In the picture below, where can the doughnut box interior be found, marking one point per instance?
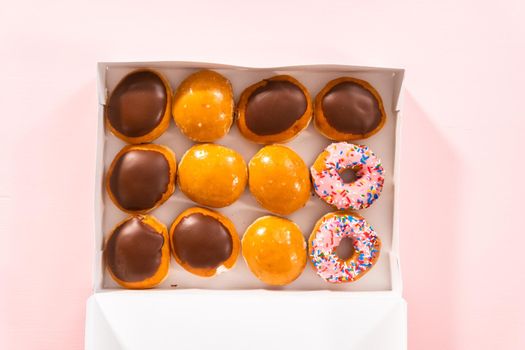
(235, 309)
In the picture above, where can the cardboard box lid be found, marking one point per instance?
(257, 319)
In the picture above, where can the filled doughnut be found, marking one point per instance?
(137, 252)
(274, 110)
(279, 179)
(343, 247)
(203, 106)
(212, 175)
(274, 249)
(141, 177)
(348, 109)
(347, 176)
(139, 108)
(204, 242)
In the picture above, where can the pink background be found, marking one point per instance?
(464, 126)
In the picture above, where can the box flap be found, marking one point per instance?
(244, 319)
(99, 332)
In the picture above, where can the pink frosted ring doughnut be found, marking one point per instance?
(343, 247)
(357, 194)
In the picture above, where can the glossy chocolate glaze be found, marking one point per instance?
(137, 104)
(139, 179)
(345, 249)
(201, 241)
(133, 252)
(274, 107)
(350, 108)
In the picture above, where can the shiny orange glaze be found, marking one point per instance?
(212, 175)
(274, 249)
(279, 179)
(203, 106)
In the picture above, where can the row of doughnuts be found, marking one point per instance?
(342, 248)
(142, 177)
(273, 110)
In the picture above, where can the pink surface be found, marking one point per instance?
(462, 234)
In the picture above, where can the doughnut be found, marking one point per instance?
(138, 109)
(137, 252)
(279, 179)
(204, 242)
(347, 176)
(203, 106)
(348, 109)
(141, 177)
(343, 247)
(274, 110)
(212, 175)
(275, 250)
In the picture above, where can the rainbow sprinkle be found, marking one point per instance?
(330, 232)
(357, 195)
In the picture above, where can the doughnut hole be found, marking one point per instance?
(351, 174)
(345, 250)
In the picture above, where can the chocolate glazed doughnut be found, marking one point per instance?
(141, 177)
(348, 109)
(274, 110)
(204, 242)
(274, 107)
(137, 252)
(139, 108)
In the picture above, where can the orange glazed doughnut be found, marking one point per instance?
(212, 175)
(279, 179)
(275, 250)
(203, 106)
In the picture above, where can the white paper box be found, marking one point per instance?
(235, 310)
